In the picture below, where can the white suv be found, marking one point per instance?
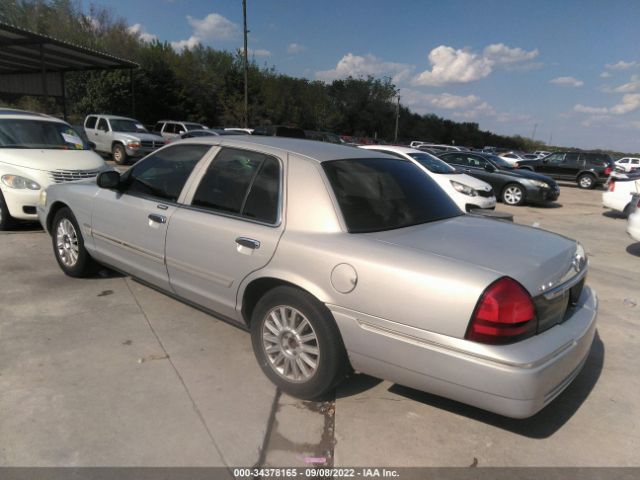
(35, 151)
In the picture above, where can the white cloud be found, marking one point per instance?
(630, 103)
(596, 120)
(191, 42)
(591, 110)
(605, 75)
(295, 48)
(621, 65)
(449, 65)
(361, 66)
(567, 82)
(139, 30)
(261, 52)
(212, 27)
(500, 54)
(423, 102)
(632, 86)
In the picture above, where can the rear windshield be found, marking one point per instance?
(39, 134)
(431, 163)
(382, 194)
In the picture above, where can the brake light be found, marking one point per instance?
(504, 314)
(607, 171)
(612, 185)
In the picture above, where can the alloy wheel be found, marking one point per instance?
(67, 243)
(290, 344)
(513, 195)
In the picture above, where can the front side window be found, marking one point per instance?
(477, 162)
(39, 134)
(192, 126)
(158, 127)
(555, 159)
(241, 183)
(377, 194)
(102, 125)
(163, 174)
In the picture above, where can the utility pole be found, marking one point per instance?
(395, 137)
(246, 67)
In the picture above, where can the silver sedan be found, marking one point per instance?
(339, 259)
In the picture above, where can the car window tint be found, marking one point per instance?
(477, 162)
(91, 122)
(262, 201)
(376, 194)
(163, 174)
(102, 125)
(555, 158)
(571, 158)
(225, 185)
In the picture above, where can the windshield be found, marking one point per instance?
(39, 134)
(378, 194)
(499, 162)
(128, 126)
(431, 163)
(194, 126)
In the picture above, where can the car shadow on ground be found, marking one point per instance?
(542, 425)
(634, 249)
(614, 214)
(546, 205)
(24, 227)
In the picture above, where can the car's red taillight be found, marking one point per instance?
(612, 185)
(504, 314)
(607, 171)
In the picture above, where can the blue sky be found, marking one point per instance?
(570, 70)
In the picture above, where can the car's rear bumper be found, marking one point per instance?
(514, 380)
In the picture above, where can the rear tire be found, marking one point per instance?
(6, 220)
(297, 343)
(68, 245)
(587, 181)
(119, 154)
(513, 194)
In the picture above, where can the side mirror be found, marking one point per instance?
(92, 145)
(489, 168)
(108, 179)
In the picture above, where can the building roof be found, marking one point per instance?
(23, 51)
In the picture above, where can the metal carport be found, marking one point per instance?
(34, 64)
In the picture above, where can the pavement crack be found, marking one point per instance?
(270, 424)
(177, 372)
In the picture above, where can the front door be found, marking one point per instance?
(230, 229)
(129, 224)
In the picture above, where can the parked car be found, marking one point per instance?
(122, 137)
(541, 153)
(323, 136)
(467, 192)
(173, 129)
(586, 169)
(35, 151)
(628, 164)
(239, 129)
(512, 158)
(620, 191)
(633, 222)
(210, 132)
(337, 258)
(279, 131)
(513, 186)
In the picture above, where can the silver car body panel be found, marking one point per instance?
(402, 299)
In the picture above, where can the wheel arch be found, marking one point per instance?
(55, 208)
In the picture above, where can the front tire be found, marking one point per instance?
(6, 220)
(68, 245)
(297, 343)
(513, 194)
(119, 154)
(586, 181)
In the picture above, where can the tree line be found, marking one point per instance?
(207, 86)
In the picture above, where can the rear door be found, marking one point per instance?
(129, 225)
(230, 228)
(100, 135)
(568, 169)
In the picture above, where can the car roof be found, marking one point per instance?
(16, 113)
(178, 121)
(111, 117)
(318, 151)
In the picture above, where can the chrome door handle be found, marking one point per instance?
(162, 207)
(248, 242)
(157, 218)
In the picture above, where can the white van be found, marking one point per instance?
(35, 151)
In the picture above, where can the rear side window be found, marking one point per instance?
(163, 174)
(241, 183)
(91, 122)
(382, 194)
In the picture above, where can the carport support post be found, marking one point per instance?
(64, 96)
(133, 93)
(44, 73)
